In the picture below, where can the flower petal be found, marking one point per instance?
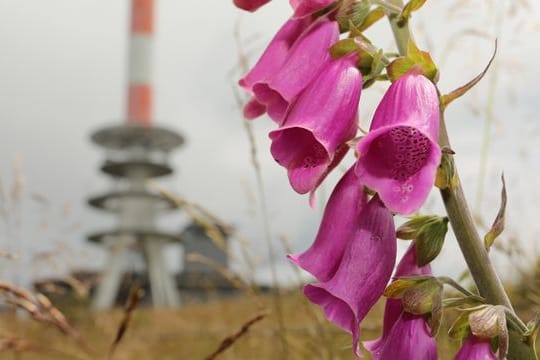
(304, 62)
(363, 273)
(409, 339)
(250, 5)
(322, 119)
(412, 100)
(475, 348)
(400, 155)
(253, 109)
(393, 307)
(340, 217)
(275, 53)
(306, 7)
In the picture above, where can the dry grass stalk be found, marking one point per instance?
(230, 340)
(8, 255)
(215, 228)
(17, 345)
(40, 308)
(135, 296)
(232, 278)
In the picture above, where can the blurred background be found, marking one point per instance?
(66, 70)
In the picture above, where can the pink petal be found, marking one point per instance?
(275, 53)
(253, 109)
(339, 220)
(400, 155)
(363, 273)
(393, 308)
(322, 119)
(409, 339)
(475, 348)
(250, 5)
(306, 7)
(304, 62)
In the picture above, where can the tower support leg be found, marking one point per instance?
(162, 284)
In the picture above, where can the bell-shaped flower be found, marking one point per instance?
(475, 348)
(409, 339)
(404, 334)
(250, 5)
(364, 271)
(339, 220)
(304, 62)
(271, 61)
(307, 7)
(322, 119)
(399, 157)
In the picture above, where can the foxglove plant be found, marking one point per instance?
(308, 81)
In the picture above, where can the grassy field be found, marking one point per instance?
(193, 332)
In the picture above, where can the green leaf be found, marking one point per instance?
(371, 18)
(398, 287)
(435, 320)
(411, 229)
(430, 241)
(423, 58)
(498, 224)
(462, 90)
(406, 13)
(355, 15)
(429, 232)
(460, 328)
(343, 47)
(415, 57)
(399, 67)
(460, 302)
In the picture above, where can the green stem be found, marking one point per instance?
(449, 281)
(476, 256)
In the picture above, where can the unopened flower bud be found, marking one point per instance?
(421, 298)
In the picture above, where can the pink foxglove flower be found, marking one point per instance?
(322, 119)
(307, 7)
(475, 348)
(271, 61)
(339, 220)
(400, 155)
(409, 339)
(405, 336)
(364, 271)
(250, 5)
(304, 62)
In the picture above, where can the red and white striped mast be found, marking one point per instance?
(136, 152)
(140, 91)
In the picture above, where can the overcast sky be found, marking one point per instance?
(63, 74)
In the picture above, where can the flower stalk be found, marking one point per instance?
(472, 247)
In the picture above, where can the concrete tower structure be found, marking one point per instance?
(136, 151)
